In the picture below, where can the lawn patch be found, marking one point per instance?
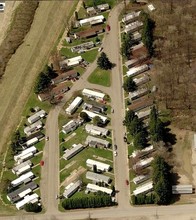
(100, 77)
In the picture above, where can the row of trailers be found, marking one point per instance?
(21, 189)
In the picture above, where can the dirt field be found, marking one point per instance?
(28, 60)
(5, 17)
(185, 161)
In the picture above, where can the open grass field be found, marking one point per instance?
(28, 60)
(100, 77)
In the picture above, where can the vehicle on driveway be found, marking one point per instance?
(127, 182)
(115, 153)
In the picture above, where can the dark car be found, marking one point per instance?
(125, 139)
(115, 147)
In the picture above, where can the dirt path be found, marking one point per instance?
(28, 60)
(6, 16)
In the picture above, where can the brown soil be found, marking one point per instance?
(22, 20)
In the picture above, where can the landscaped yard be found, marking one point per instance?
(88, 56)
(100, 77)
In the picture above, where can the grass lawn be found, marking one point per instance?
(90, 3)
(80, 70)
(81, 158)
(37, 158)
(81, 41)
(82, 13)
(37, 171)
(89, 56)
(100, 77)
(125, 69)
(40, 145)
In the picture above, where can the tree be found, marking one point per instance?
(129, 117)
(84, 116)
(147, 32)
(140, 139)
(76, 15)
(135, 126)
(103, 62)
(84, 6)
(161, 180)
(33, 207)
(129, 85)
(156, 126)
(49, 71)
(41, 83)
(97, 120)
(127, 43)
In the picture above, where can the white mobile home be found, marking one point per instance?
(103, 7)
(95, 130)
(130, 17)
(138, 93)
(74, 61)
(96, 142)
(143, 189)
(143, 114)
(100, 166)
(182, 189)
(69, 153)
(37, 116)
(93, 94)
(94, 188)
(137, 70)
(74, 105)
(92, 115)
(18, 194)
(143, 152)
(132, 27)
(27, 199)
(32, 141)
(71, 125)
(32, 150)
(131, 63)
(143, 163)
(141, 80)
(92, 20)
(72, 188)
(33, 127)
(141, 178)
(97, 177)
(17, 168)
(22, 179)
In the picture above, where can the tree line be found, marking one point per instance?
(93, 201)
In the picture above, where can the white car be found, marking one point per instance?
(100, 49)
(2, 6)
(115, 153)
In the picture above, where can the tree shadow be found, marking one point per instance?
(169, 137)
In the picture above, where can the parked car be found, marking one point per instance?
(115, 147)
(127, 182)
(115, 153)
(125, 139)
(100, 49)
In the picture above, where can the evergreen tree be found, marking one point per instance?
(140, 140)
(42, 83)
(127, 43)
(33, 207)
(129, 85)
(129, 117)
(103, 62)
